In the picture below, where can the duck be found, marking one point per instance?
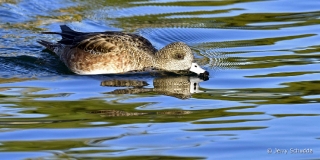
(115, 52)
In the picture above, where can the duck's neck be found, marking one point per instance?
(158, 58)
(147, 62)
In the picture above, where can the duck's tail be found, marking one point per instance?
(67, 34)
(49, 45)
(56, 48)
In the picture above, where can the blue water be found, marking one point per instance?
(260, 102)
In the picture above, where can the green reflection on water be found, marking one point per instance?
(25, 110)
(75, 114)
(292, 93)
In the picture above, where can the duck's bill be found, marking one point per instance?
(199, 71)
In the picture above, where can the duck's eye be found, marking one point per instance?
(195, 66)
(179, 56)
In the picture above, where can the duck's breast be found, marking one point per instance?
(82, 62)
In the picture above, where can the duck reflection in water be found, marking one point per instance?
(181, 87)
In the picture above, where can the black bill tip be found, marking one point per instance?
(204, 75)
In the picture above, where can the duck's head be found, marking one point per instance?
(178, 56)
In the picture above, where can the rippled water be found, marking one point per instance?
(262, 98)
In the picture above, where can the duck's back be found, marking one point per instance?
(94, 41)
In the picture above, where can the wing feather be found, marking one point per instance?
(97, 44)
(103, 42)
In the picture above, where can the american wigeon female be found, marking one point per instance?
(117, 52)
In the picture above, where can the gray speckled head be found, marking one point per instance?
(174, 56)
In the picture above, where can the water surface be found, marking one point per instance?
(261, 101)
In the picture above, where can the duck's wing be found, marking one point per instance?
(92, 42)
(96, 43)
(103, 42)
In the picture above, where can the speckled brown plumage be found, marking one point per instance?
(116, 52)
